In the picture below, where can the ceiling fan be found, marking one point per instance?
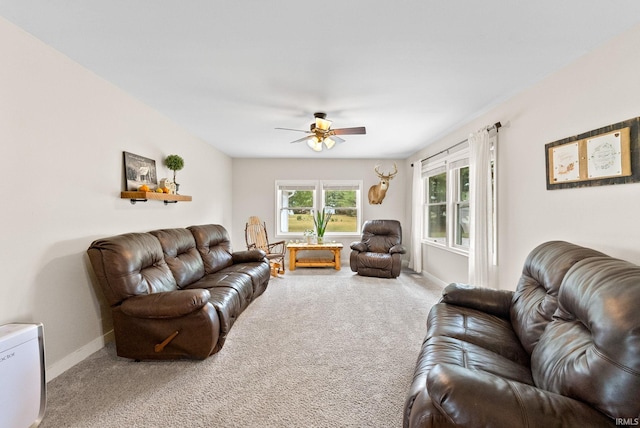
(321, 132)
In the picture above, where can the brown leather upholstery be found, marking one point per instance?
(562, 350)
(176, 280)
(379, 251)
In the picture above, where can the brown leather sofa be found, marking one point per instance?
(563, 350)
(379, 251)
(175, 293)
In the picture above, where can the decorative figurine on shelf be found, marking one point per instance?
(174, 163)
(166, 183)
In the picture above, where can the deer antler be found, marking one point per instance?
(395, 171)
(386, 176)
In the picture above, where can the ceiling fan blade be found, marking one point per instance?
(297, 130)
(337, 139)
(346, 131)
(302, 139)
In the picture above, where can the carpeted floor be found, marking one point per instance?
(319, 348)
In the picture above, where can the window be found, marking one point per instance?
(446, 201)
(295, 203)
(435, 212)
(342, 200)
(297, 200)
(460, 175)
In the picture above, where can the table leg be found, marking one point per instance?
(292, 258)
(336, 258)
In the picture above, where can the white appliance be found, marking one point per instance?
(23, 388)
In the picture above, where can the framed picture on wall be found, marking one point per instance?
(139, 170)
(604, 156)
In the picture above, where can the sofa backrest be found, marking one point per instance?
(129, 265)
(535, 299)
(214, 246)
(591, 349)
(381, 235)
(181, 255)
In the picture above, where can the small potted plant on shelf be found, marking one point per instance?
(320, 221)
(174, 163)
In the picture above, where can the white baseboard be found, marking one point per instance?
(59, 367)
(435, 279)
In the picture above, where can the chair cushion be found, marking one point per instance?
(372, 260)
(380, 235)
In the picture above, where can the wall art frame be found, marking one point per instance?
(604, 156)
(139, 170)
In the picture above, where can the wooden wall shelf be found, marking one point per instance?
(155, 196)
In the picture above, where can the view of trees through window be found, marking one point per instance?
(298, 207)
(437, 207)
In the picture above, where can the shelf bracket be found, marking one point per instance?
(133, 201)
(170, 202)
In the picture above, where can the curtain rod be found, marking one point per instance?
(495, 126)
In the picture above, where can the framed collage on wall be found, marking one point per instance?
(600, 157)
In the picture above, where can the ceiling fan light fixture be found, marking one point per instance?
(329, 143)
(320, 133)
(315, 144)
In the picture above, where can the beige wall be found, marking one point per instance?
(62, 134)
(254, 186)
(599, 89)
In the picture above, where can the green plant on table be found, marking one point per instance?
(320, 221)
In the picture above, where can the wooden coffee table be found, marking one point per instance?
(334, 261)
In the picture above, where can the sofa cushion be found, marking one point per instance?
(237, 281)
(257, 272)
(214, 245)
(471, 398)
(488, 331)
(449, 350)
(535, 298)
(181, 255)
(130, 265)
(228, 305)
(591, 351)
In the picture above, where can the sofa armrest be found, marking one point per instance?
(476, 398)
(397, 249)
(170, 304)
(489, 300)
(358, 246)
(248, 256)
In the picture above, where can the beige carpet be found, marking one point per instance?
(319, 349)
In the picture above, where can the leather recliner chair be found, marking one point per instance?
(379, 251)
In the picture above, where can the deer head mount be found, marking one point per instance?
(379, 191)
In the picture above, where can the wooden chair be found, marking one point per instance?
(255, 234)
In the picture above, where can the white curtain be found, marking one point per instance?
(481, 261)
(415, 259)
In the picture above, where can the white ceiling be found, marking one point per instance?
(408, 70)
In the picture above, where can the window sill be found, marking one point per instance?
(444, 247)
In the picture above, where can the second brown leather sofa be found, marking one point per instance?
(562, 350)
(176, 293)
